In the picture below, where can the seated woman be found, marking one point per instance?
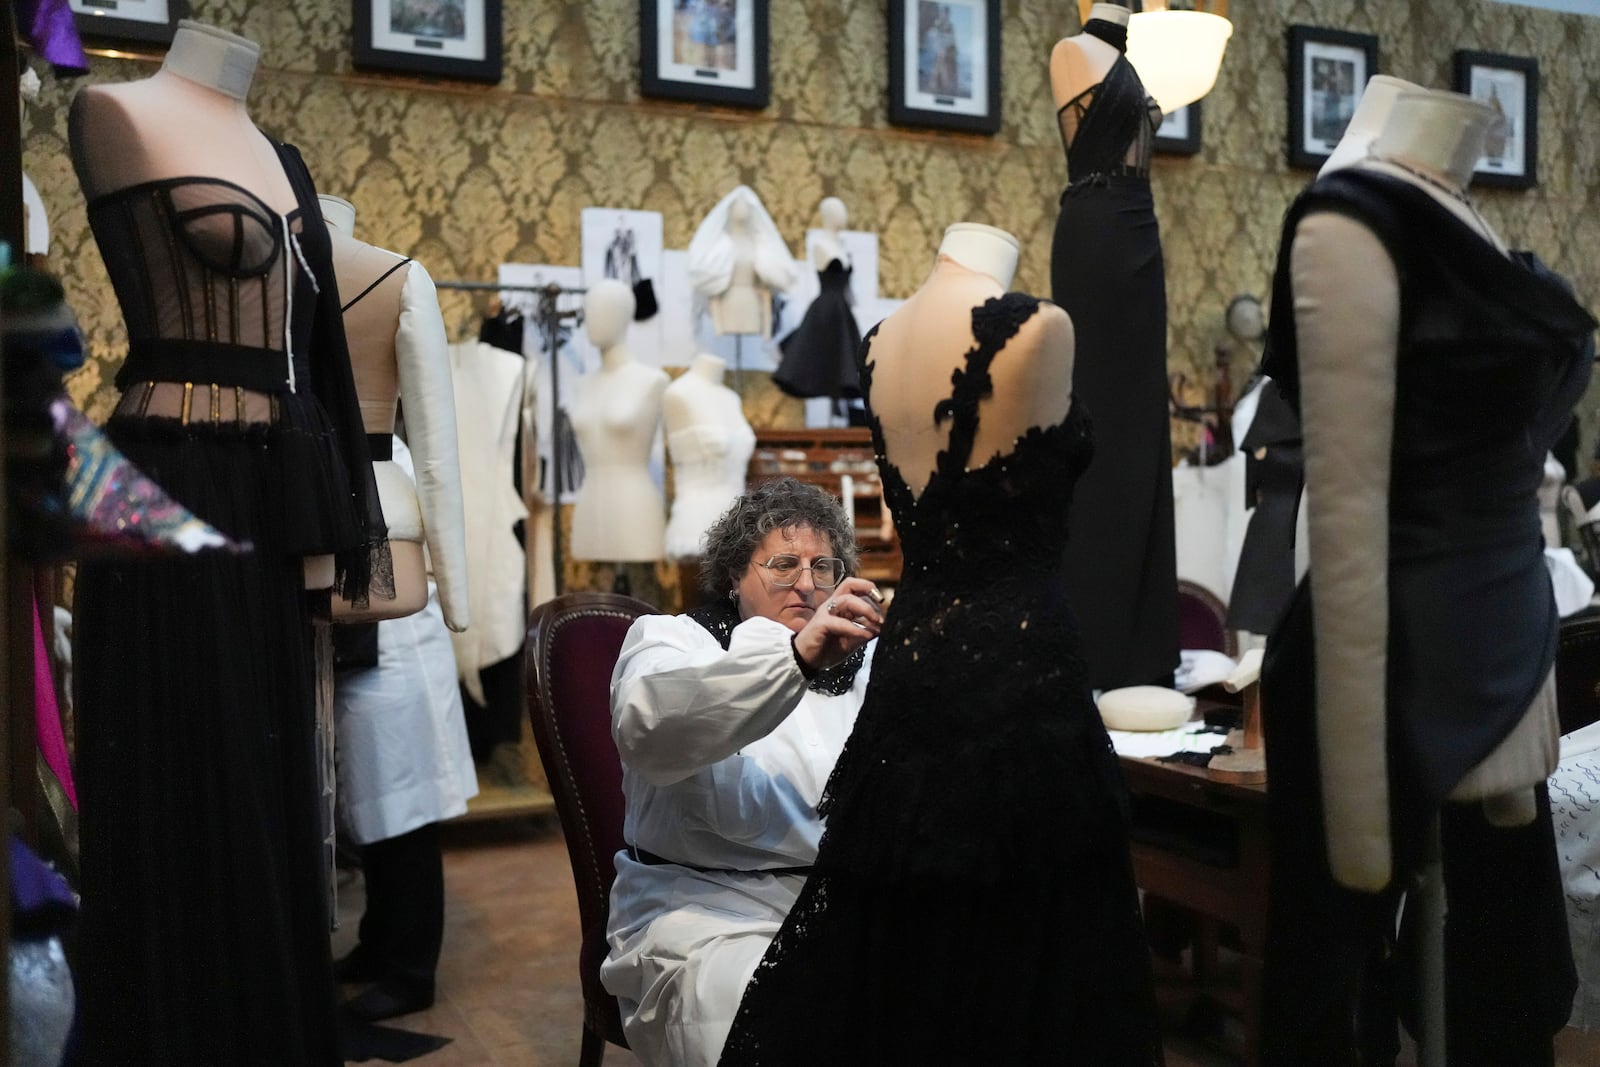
(729, 720)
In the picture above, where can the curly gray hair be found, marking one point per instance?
(777, 505)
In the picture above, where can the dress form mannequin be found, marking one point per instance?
(399, 349)
(619, 516)
(918, 347)
(196, 684)
(826, 246)
(1082, 60)
(736, 258)
(710, 444)
(1424, 637)
(1431, 139)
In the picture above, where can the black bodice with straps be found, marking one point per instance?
(1109, 128)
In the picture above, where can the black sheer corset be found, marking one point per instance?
(1108, 130)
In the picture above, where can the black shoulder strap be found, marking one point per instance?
(994, 323)
(376, 282)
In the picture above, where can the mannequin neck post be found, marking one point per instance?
(213, 58)
(1437, 132)
(984, 249)
(708, 367)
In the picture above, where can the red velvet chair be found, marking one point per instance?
(1203, 619)
(573, 643)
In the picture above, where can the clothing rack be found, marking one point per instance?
(550, 312)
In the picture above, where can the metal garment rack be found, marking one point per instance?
(550, 313)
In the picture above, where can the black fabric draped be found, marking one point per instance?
(1493, 353)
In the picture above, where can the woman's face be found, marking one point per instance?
(794, 606)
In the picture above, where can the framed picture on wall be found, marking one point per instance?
(706, 51)
(112, 21)
(944, 64)
(1328, 72)
(1179, 132)
(1509, 85)
(439, 38)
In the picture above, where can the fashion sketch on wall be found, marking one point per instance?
(626, 246)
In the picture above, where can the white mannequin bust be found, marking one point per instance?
(744, 306)
(619, 516)
(709, 442)
(1111, 13)
(1347, 319)
(827, 246)
(399, 349)
(736, 259)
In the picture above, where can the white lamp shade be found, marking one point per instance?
(1177, 54)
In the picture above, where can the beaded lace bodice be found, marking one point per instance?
(1109, 128)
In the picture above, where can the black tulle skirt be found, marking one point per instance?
(819, 357)
(204, 926)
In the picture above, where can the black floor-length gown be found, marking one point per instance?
(1493, 353)
(973, 899)
(1106, 270)
(204, 936)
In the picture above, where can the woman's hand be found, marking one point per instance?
(848, 619)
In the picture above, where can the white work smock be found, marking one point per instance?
(724, 753)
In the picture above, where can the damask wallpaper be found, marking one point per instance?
(466, 177)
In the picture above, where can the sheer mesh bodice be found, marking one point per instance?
(975, 855)
(1109, 128)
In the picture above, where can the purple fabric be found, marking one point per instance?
(48, 26)
(47, 714)
(41, 903)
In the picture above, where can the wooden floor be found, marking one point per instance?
(507, 983)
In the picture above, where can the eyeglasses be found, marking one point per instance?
(784, 571)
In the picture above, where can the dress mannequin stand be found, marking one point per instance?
(819, 357)
(710, 444)
(1424, 721)
(205, 907)
(970, 394)
(737, 258)
(619, 516)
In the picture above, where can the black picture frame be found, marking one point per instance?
(1179, 132)
(705, 52)
(1328, 71)
(1511, 157)
(957, 89)
(122, 21)
(470, 50)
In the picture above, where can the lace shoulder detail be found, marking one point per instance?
(994, 323)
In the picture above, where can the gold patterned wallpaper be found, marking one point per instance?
(466, 177)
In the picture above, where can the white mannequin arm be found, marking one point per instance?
(422, 351)
(1347, 316)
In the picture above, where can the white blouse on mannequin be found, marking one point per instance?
(710, 444)
(620, 516)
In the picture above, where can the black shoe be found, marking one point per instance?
(388, 999)
(357, 966)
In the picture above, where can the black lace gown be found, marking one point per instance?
(204, 930)
(973, 900)
(1107, 271)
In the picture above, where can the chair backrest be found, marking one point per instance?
(572, 647)
(1203, 619)
(1578, 672)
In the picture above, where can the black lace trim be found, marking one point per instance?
(720, 617)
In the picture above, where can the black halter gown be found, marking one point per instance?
(973, 900)
(1106, 270)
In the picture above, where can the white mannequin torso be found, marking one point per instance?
(918, 347)
(744, 306)
(710, 443)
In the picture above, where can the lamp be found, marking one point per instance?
(1178, 52)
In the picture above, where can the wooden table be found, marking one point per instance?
(1200, 841)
